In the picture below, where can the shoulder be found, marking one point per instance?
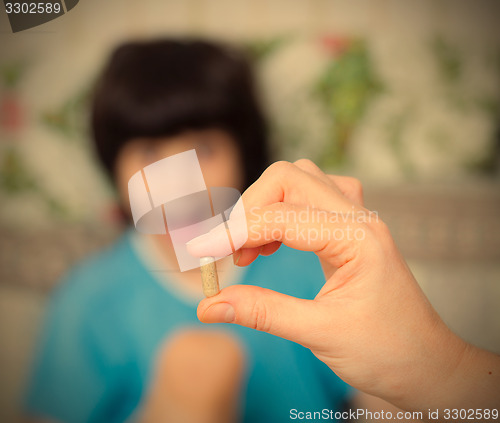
(289, 271)
(100, 279)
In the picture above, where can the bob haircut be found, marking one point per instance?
(162, 88)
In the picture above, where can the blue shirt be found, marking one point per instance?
(106, 322)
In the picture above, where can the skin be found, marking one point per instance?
(220, 163)
(216, 358)
(198, 376)
(172, 396)
(370, 323)
(221, 166)
(216, 150)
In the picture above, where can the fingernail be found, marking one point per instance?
(211, 234)
(214, 243)
(219, 313)
(199, 239)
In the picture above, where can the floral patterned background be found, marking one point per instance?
(390, 93)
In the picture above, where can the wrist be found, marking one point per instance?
(432, 370)
(476, 382)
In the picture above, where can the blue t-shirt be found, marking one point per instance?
(106, 322)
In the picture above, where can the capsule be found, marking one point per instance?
(209, 279)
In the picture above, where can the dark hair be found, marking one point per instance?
(164, 87)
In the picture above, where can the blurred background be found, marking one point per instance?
(403, 95)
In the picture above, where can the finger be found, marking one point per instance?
(311, 168)
(246, 256)
(347, 185)
(350, 187)
(265, 310)
(286, 182)
(271, 248)
(281, 182)
(331, 235)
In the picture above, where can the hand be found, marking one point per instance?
(197, 378)
(370, 323)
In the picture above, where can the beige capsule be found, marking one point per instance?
(209, 278)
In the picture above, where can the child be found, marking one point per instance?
(121, 339)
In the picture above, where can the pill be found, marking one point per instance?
(209, 279)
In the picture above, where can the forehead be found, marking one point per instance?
(188, 136)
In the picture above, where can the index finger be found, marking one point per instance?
(284, 182)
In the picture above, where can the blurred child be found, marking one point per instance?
(121, 340)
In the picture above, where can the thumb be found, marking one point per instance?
(263, 309)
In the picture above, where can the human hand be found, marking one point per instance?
(370, 322)
(197, 378)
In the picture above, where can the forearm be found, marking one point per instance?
(372, 407)
(476, 383)
(453, 376)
